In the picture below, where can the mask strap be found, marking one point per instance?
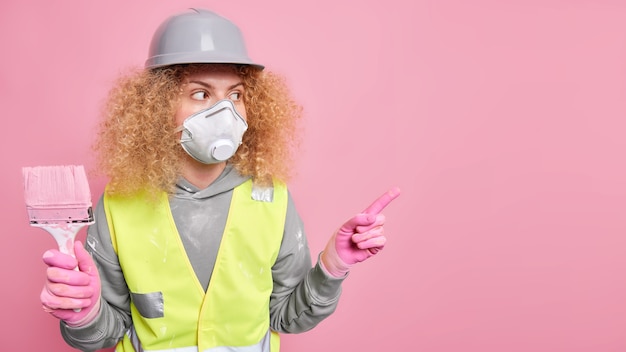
(185, 132)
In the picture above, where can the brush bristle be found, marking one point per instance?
(57, 193)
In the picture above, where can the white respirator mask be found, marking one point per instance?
(213, 135)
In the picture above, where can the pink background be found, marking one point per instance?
(501, 121)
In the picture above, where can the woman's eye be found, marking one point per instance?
(235, 96)
(201, 95)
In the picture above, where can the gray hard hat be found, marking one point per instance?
(198, 36)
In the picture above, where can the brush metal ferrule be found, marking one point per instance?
(60, 215)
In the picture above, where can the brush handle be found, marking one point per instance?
(64, 234)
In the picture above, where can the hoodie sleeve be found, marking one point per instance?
(303, 294)
(114, 317)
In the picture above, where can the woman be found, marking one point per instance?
(200, 248)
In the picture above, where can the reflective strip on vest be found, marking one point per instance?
(169, 307)
(262, 346)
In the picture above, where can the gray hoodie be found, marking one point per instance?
(303, 295)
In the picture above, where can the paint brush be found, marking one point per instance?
(58, 200)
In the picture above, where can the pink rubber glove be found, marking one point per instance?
(359, 238)
(69, 294)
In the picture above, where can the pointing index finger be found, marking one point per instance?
(382, 201)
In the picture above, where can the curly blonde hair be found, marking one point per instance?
(137, 145)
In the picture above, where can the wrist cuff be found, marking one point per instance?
(332, 263)
(88, 318)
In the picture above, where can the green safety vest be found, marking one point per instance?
(169, 307)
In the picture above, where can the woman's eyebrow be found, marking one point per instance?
(204, 84)
(209, 86)
(235, 85)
